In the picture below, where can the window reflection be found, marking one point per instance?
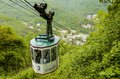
(46, 56)
(53, 54)
(37, 56)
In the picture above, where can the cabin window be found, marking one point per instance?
(53, 54)
(37, 56)
(46, 56)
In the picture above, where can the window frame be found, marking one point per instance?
(45, 60)
(53, 53)
(50, 52)
(34, 57)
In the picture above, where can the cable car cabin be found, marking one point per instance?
(45, 57)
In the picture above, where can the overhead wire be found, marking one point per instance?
(22, 7)
(26, 8)
(13, 7)
(45, 2)
(59, 24)
(55, 21)
(29, 3)
(25, 4)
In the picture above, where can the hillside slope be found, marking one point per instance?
(99, 58)
(12, 52)
(15, 24)
(70, 13)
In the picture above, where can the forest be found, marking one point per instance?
(98, 58)
(70, 14)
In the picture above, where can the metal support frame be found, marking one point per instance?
(48, 17)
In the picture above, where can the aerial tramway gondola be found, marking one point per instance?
(44, 47)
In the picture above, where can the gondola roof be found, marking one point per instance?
(40, 43)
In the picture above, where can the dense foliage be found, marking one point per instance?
(12, 51)
(102, 55)
(99, 58)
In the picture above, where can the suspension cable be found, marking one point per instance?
(26, 9)
(54, 21)
(13, 7)
(27, 5)
(22, 7)
(59, 24)
(23, 4)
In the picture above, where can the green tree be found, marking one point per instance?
(12, 51)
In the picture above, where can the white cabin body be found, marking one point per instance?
(44, 55)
